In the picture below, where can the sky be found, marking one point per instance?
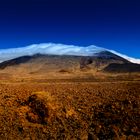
(111, 24)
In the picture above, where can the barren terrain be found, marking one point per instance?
(70, 109)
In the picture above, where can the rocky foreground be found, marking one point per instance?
(70, 110)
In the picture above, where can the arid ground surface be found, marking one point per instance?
(70, 109)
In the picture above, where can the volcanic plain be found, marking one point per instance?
(99, 107)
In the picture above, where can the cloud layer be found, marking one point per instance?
(49, 48)
(57, 49)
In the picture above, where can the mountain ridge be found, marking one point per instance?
(57, 49)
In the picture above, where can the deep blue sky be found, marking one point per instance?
(112, 24)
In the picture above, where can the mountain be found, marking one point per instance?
(47, 63)
(58, 58)
(101, 58)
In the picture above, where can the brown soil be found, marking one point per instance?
(69, 110)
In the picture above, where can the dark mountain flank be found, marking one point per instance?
(15, 61)
(122, 68)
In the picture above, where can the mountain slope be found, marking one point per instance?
(122, 68)
(16, 61)
(39, 62)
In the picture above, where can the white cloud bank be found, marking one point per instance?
(56, 49)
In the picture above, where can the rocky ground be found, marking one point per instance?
(66, 110)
